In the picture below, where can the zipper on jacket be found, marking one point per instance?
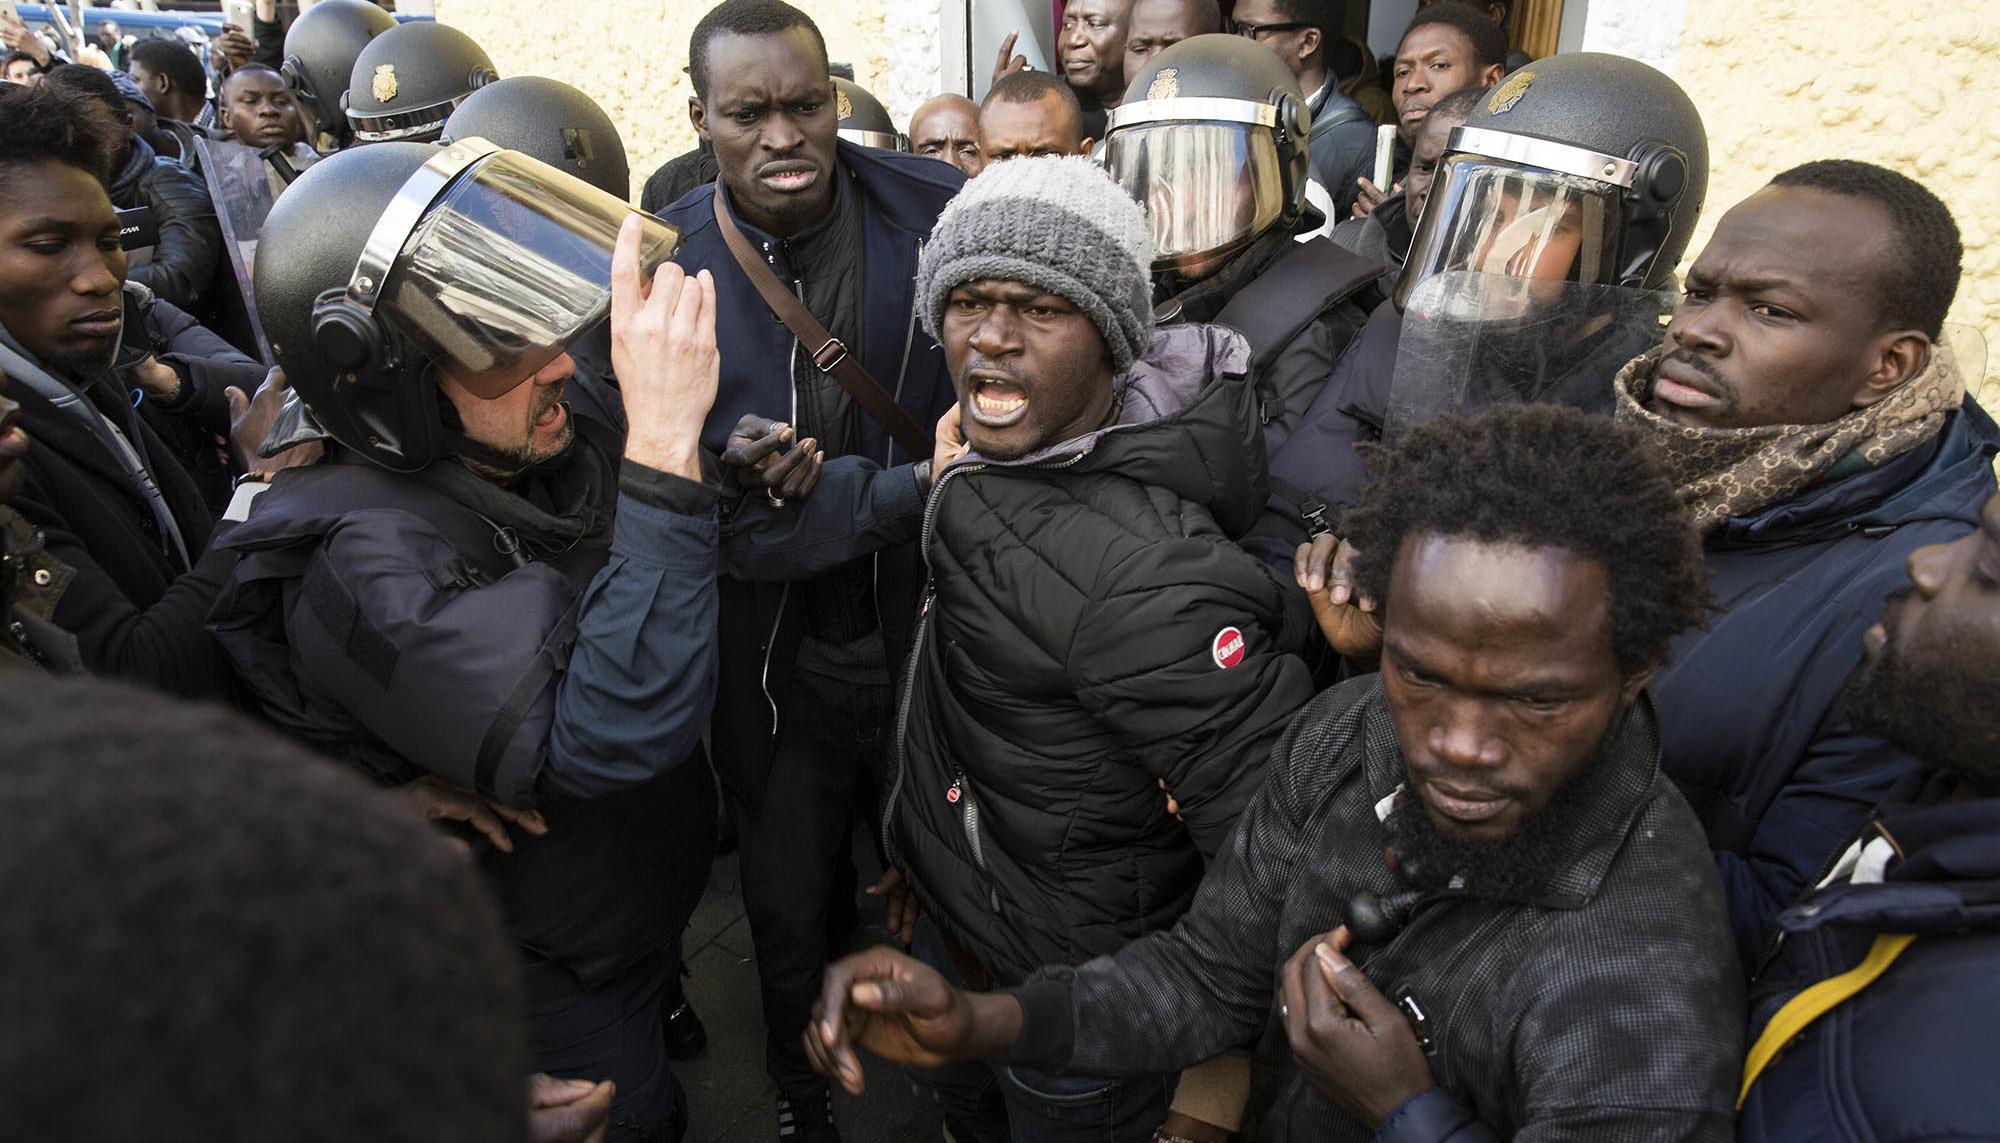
(785, 594)
(916, 656)
(903, 370)
(924, 535)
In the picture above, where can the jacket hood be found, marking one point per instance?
(1946, 881)
(1947, 478)
(139, 161)
(1185, 421)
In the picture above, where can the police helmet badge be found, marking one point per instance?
(843, 107)
(1166, 84)
(384, 83)
(1509, 93)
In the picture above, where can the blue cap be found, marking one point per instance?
(129, 88)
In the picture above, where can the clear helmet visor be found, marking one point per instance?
(507, 265)
(1208, 188)
(1537, 227)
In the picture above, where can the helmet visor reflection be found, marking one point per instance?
(1492, 217)
(1208, 188)
(509, 265)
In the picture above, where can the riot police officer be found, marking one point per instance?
(485, 596)
(1555, 219)
(1212, 140)
(320, 49)
(863, 120)
(409, 80)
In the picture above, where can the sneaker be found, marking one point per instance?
(686, 1037)
(806, 1118)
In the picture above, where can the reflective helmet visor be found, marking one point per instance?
(1208, 188)
(505, 265)
(1490, 216)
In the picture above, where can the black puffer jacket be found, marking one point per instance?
(182, 268)
(1600, 1004)
(1090, 631)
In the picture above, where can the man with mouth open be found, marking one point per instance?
(1821, 434)
(1090, 633)
(1508, 969)
(805, 698)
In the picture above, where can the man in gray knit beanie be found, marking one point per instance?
(1054, 244)
(1091, 633)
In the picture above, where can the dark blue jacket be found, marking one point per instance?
(1751, 734)
(1911, 1056)
(901, 197)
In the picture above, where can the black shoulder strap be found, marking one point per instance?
(1310, 279)
(1348, 113)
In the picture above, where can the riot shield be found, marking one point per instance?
(243, 187)
(1472, 340)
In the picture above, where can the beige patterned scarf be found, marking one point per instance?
(1733, 472)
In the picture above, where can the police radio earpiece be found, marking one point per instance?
(348, 337)
(1291, 135)
(1655, 194)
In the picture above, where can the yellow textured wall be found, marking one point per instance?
(1910, 85)
(628, 55)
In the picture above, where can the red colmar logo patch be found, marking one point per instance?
(1227, 650)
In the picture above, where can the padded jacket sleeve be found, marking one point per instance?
(456, 675)
(1148, 661)
(190, 245)
(166, 646)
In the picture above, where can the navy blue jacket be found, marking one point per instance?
(901, 197)
(1911, 1056)
(1751, 735)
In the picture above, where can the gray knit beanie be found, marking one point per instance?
(1058, 224)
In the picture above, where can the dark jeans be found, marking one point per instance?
(997, 1103)
(798, 873)
(615, 1032)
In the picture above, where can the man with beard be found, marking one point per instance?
(100, 485)
(804, 701)
(1821, 435)
(492, 598)
(1908, 921)
(1506, 970)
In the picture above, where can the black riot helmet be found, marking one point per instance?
(1211, 140)
(409, 79)
(551, 121)
(384, 265)
(863, 120)
(1588, 167)
(320, 49)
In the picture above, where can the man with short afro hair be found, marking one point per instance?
(211, 935)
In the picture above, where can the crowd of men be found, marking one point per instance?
(1310, 659)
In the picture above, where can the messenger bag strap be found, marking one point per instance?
(830, 355)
